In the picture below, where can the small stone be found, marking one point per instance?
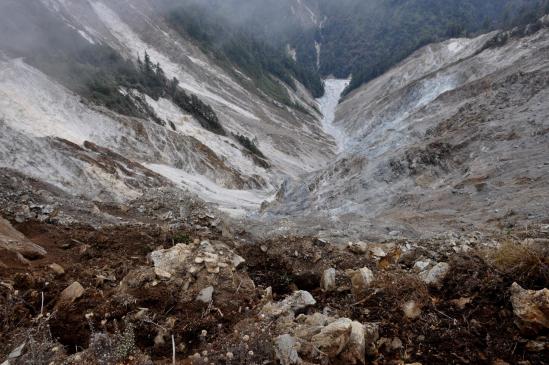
(358, 247)
(57, 269)
(420, 266)
(161, 273)
(396, 344)
(205, 295)
(537, 345)
(461, 302)
(378, 252)
(237, 260)
(411, 309)
(263, 248)
(17, 352)
(70, 294)
(328, 282)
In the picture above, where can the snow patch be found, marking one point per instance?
(328, 104)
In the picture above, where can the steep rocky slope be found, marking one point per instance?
(454, 136)
(49, 133)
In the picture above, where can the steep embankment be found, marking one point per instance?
(454, 136)
(51, 133)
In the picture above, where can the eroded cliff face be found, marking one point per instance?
(45, 126)
(454, 136)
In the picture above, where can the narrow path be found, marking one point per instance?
(328, 105)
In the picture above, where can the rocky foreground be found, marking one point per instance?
(194, 291)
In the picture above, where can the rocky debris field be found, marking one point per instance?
(198, 293)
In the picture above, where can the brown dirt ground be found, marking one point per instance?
(480, 333)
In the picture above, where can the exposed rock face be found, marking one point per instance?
(14, 241)
(531, 308)
(412, 132)
(47, 121)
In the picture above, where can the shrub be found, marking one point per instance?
(526, 264)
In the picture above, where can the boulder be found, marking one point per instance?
(286, 350)
(355, 351)
(333, 338)
(531, 308)
(361, 281)
(436, 275)
(14, 241)
(328, 282)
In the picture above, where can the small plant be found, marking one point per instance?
(182, 238)
(524, 263)
(113, 348)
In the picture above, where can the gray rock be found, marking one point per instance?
(205, 295)
(297, 301)
(333, 338)
(170, 261)
(286, 350)
(421, 265)
(436, 275)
